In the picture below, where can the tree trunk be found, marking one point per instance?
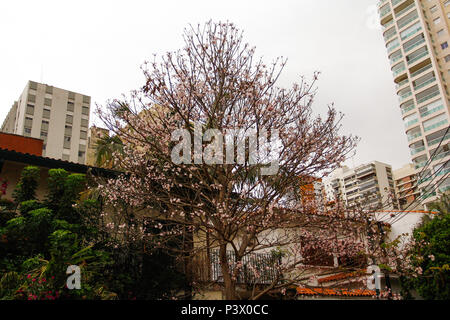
(229, 283)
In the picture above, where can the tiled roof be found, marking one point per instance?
(40, 161)
(336, 292)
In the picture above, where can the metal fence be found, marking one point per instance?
(256, 268)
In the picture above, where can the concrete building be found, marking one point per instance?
(406, 188)
(94, 134)
(59, 117)
(370, 185)
(416, 33)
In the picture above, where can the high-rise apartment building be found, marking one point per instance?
(370, 186)
(417, 39)
(59, 117)
(406, 188)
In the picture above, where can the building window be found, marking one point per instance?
(49, 89)
(47, 102)
(433, 9)
(70, 106)
(83, 134)
(26, 131)
(44, 126)
(444, 45)
(65, 157)
(44, 135)
(441, 33)
(71, 95)
(28, 122)
(85, 110)
(81, 154)
(68, 131)
(31, 98)
(46, 114)
(67, 142)
(437, 20)
(69, 119)
(86, 99)
(84, 123)
(30, 109)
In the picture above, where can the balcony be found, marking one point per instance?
(436, 125)
(425, 83)
(394, 46)
(402, 12)
(417, 150)
(431, 95)
(395, 2)
(441, 155)
(384, 11)
(408, 108)
(420, 164)
(404, 96)
(399, 71)
(416, 73)
(414, 45)
(405, 21)
(401, 83)
(411, 33)
(418, 57)
(414, 136)
(438, 140)
(429, 112)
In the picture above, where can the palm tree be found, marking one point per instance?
(107, 146)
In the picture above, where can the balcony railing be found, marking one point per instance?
(407, 21)
(407, 109)
(420, 164)
(395, 2)
(436, 125)
(428, 112)
(410, 123)
(401, 83)
(399, 71)
(391, 48)
(416, 58)
(412, 5)
(431, 95)
(417, 150)
(423, 84)
(415, 44)
(416, 73)
(387, 25)
(441, 155)
(414, 136)
(384, 12)
(437, 140)
(404, 96)
(403, 37)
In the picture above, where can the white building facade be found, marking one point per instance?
(57, 116)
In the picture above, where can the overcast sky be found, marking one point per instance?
(96, 48)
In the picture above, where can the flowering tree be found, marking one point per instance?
(239, 198)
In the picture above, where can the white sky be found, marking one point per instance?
(96, 48)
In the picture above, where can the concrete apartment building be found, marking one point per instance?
(406, 188)
(59, 117)
(371, 185)
(417, 39)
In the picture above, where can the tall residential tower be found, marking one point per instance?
(57, 116)
(417, 38)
